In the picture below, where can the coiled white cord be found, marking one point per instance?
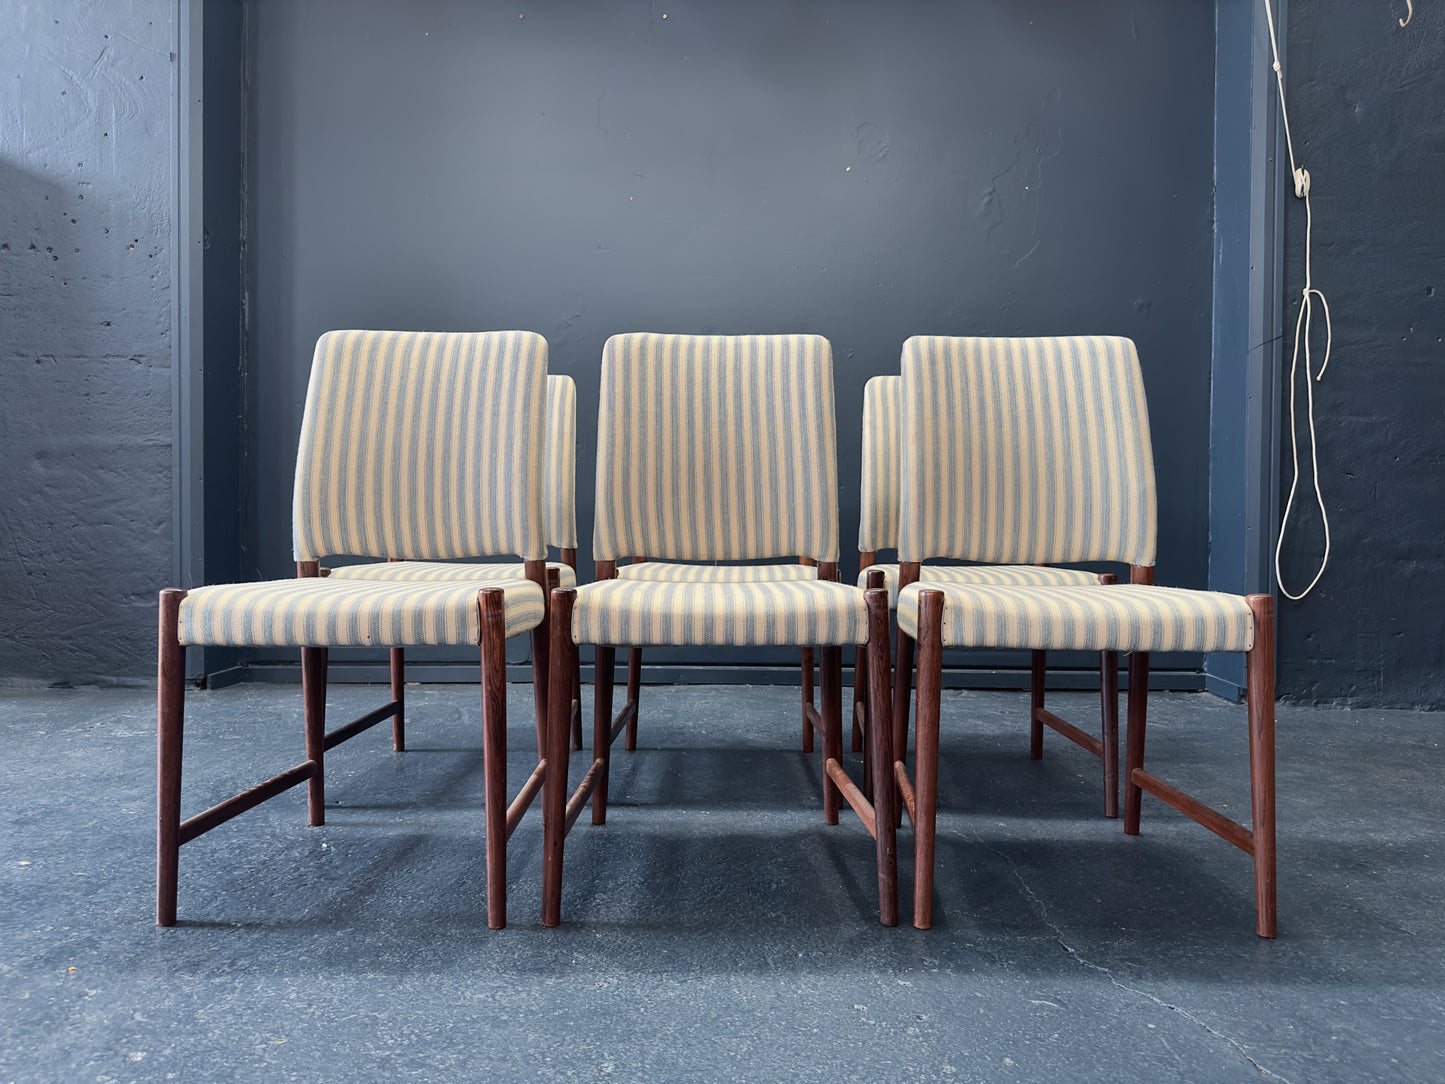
(1302, 329)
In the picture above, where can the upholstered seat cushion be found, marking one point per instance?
(673, 572)
(792, 612)
(322, 612)
(446, 572)
(1009, 575)
(1116, 617)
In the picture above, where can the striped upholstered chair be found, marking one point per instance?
(413, 445)
(560, 510)
(878, 530)
(1045, 447)
(714, 448)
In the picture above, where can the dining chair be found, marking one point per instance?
(1016, 448)
(422, 446)
(878, 531)
(715, 448)
(560, 513)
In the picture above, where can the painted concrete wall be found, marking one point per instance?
(85, 314)
(863, 170)
(1366, 107)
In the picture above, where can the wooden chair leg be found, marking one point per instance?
(398, 695)
(313, 699)
(832, 714)
(860, 698)
(1138, 710)
(1109, 725)
(606, 660)
(577, 699)
(494, 750)
(170, 712)
(1259, 669)
(902, 686)
(930, 691)
(881, 754)
(554, 786)
(1037, 673)
(807, 667)
(634, 694)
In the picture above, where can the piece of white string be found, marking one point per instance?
(1302, 330)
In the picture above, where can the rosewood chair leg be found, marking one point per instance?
(634, 694)
(930, 689)
(860, 699)
(606, 659)
(881, 754)
(541, 671)
(313, 699)
(1037, 672)
(902, 686)
(1259, 668)
(832, 714)
(1109, 716)
(1138, 710)
(398, 694)
(170, 711)
(554, 786)
(494, 750)
(807, 667)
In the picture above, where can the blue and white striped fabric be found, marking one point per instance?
(882, 444)
(561, 487)
(1120, 617)
(1000, 575)
(799, 613)
(423, 445)
(673, 572)
(323, 612)
(1018, 451)
(479, 575)
(716, 448)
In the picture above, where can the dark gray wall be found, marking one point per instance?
(1367, 104)
(85, 356)
(863, 170)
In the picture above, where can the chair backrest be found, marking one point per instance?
(882, 451)
(1025, 451)
(560, 492)
(716, 448)
(422, 445)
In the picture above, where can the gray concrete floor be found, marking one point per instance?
(714, 929)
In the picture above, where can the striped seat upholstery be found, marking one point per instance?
(1020, 451)
(786, 612)
(675, 572)
(1018, 575)
(314, 612)
(423, 445)
(446, 572)
(1122, 617)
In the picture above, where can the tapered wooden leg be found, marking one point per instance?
(606, 660)
(930, 691)
(554, 787)
(807, 667)
(313, 699)
(1109, 725)
(1037, 673)
(494, 749)
(1138, 710)
(862, 661)
(860, 697)
(398, 694)
(170, 710)
(879, 752)
(1259, 670)
(634, 694)
(902, 686)
(832, 713)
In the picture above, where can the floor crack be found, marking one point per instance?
(1058, 933)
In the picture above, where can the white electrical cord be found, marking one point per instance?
(1302, 329)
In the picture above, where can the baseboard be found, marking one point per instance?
(1222, 687)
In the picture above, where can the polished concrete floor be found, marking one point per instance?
(714, 929)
